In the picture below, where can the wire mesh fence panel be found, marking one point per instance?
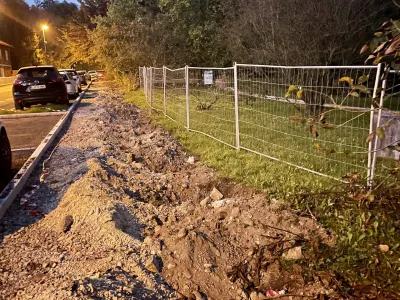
(387, 147)
(316, 118)
(157, 101)
(175, 95)
(212, 103)
(148, 86)
(141, 77)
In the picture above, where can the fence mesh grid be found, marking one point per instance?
(212, 103)
(175, 96)
(315, 118)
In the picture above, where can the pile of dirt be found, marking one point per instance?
(128, 216)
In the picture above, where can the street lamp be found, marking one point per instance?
(44, 28)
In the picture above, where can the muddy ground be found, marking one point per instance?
(121, 211)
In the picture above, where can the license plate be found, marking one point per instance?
(38, 87)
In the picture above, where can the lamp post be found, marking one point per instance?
(44, 28)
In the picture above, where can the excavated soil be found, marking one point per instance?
(121, 212)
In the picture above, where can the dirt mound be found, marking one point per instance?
(129, 217)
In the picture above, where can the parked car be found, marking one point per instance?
(38, 85)
(70, 84)
(82, 74)
(101, 74)
(5, 151)
(93, 74)
(76, 77)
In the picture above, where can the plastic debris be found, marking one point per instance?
(191, 160)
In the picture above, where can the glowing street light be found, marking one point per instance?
(44, 28)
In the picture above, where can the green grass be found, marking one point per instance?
(241, 166)
(359, 226)
(37, 109)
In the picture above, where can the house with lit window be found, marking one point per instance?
(5, 59)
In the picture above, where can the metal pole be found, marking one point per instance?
(165, 89)
(235, 76)
(378, 123)
(371, 125)
(187, 97)
(151, 88)
(44, 41)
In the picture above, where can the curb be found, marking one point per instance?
(34, 115)
(11, 191)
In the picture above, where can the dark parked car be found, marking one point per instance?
(5, 152)
(38, 85)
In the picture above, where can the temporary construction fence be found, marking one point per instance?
(316, 118)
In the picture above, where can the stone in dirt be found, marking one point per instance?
(216, 194)
(205, 201)
(293, 254)
(221, 203)
(182, 233)
(67, 224)
(154, 264)
(130, 158)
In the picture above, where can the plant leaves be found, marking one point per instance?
(362, 89)
(319, 147)
(370, 137)
(314, 131)
(394, 46)
(364, 49)
(299, 94)
(290, 90)
(347, 79)
(296, 118)
(328, 126)
(362, 79)
(380, 133)
(354, 94)
(378, 33)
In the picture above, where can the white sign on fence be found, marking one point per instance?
(208, 77)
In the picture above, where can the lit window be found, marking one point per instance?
(1, 56)
(6, 55)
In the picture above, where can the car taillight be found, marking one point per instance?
(17, 82)
(59, 79)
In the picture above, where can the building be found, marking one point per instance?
(5, 59)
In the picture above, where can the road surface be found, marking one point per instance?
(26, 133)
(6, 99)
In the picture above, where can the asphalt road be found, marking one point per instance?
(6, 99)
(26, 133)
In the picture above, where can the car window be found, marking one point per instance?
(65, 77)
(70, 74)
(38, 73)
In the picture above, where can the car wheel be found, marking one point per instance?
(5, 154)
(18, 106)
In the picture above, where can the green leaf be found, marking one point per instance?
(363, 79)
(361, 237)
(378, 34)
(362, 89)
(299, 94)
(380, 133)
(354, 94)
(347, 79)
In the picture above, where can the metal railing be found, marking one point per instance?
(316, 118)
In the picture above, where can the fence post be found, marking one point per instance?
(378, 123)
(151, 89)
(371, 127)
(165, 89)
(187, 97)
(235, 78)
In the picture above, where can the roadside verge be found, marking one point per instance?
(11, 191)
